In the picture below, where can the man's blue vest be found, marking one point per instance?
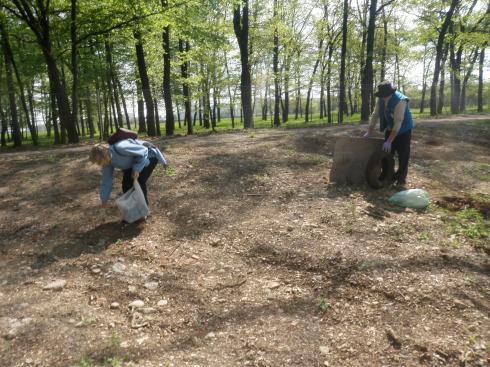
(386, 117)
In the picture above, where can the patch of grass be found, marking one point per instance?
(425, 236)
(158, 172)
(85, 362)
(169, 172)
(480, 171)
(115, 340)
(323, 304)
(470, 224)
(112, 362)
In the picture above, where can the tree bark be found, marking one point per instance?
(141, 110)
(439, 54)
(241, 28)
(275, 68)
(367, 78)
(145, 85)
(14, 119)
(167, 87)
(480, 79)
(343, 55)
(469, 70)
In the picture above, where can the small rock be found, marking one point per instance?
(324, 350)
(151, 285)
(393, 338)
(57, 285)
(137, 304)
(147, 310)
(142, 339)
(132, 289)
(210, 335)
(273, 285)
(114, 305)
(118, 268)
(195, 257)
(96, 270)
(162, 302)
(290, 229)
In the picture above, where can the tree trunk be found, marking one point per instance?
(241, 28)
(14, 120)
(312, 78)
(285, 111)
(167, 87)
(123, 100)
(90, 119)
(184, 70)
(343, 54)
(74, 61)
(141, 109)
(157, 117)
(275, 69)
(145, 85)
(439, 54)
(367, 78)
(232, 106)
(480, 79)
(469, 70)
(442, 84)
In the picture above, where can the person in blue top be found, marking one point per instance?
(395, 120)
(135, 158)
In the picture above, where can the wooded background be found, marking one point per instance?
(79, 69)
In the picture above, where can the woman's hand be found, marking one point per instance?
(136, 175)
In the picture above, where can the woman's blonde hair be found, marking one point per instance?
(100, 155)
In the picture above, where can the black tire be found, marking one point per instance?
(380, 170)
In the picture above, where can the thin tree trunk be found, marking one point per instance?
(157, 117)
(343, 54)
(123, 100)
(145, 85)
(232, 107)
(442, 83)
(167, 88)
(480, 79)
(367, 78)
(275, 69)
(467, 75)
(312, 78)
(141, 109)
(439, 54)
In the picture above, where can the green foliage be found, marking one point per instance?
(323, 304)
(470, 225)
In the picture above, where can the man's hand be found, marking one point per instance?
(136, 175)
(387, 146)
(104, 204)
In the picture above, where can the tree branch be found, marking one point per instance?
(383, 5)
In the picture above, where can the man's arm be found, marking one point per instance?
(398, 117)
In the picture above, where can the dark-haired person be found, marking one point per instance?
(395, 120)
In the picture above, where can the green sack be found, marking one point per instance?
(413, 198)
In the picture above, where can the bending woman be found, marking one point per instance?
(135, 158)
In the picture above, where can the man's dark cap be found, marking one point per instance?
(385, 89)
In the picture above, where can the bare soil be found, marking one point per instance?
(251, 257)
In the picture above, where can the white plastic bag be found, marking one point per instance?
(413, 198)
(132, 204)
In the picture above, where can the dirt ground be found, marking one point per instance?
(251, 257)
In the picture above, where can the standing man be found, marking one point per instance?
(395, 119)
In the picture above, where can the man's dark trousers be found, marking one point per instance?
(401, 146)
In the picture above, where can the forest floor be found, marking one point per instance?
(251, 257)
